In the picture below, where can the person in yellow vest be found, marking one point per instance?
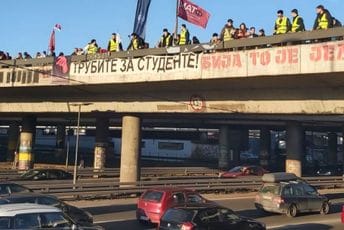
(92, 47)
(184, 36)
(228, 32)
(114, 45)
(282, 24)
(323, 20)
(297, 22)
(135, 42)
(166, 39)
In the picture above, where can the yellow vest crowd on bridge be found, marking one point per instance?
(283, 25)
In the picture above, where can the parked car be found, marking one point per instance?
(342, 214)
(330, 170)
(9, 188)
(287, 194)
(34, 216)
(154, 202)
(205, 216)
(250, 170)
(46, 174)
(77, 214)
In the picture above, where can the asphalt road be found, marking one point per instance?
(120, 214)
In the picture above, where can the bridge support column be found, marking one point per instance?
(13, 134)
(230, 144)
(131, 149)
(27, 137)
(102, 142)
(295, 148)
(332, 149)
(60, 143)
(264, 151)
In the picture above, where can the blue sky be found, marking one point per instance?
(26, 24)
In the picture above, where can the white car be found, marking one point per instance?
(34, 216)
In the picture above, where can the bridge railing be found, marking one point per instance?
(259, 42)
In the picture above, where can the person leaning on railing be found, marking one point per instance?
(228, 32)
(114, 45)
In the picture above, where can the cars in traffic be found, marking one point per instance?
(239, 171)
(154, 202)
(12, 188)
(330, 170)
(34, 216)
(287, 194)
(77, 214)
(46, 174)
(205, 216)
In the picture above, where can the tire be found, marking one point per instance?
(292, 211)
(325, 208)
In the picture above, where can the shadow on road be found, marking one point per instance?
(304, 226)
(111, 209)
(127, 224)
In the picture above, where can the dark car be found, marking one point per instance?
(12, 188)
(287, 194)
(77, 214)
(250, 170)
(205, 217)
(334, 170)
(154, 202)
(46, 174)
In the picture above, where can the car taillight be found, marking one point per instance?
(187, 226)
(278, 200)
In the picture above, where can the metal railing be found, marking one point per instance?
(109, 188)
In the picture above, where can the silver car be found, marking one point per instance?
(290, 197)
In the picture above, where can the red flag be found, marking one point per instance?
(193, 13)
(52, 42)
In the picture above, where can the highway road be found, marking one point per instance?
(120, 214)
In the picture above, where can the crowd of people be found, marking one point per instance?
(283, 25)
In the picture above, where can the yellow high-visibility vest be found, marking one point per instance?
(282, 25)
(113, 46)
(323, 22)
(295, 25)
(182, 40)
(227, 36)
(92, 49)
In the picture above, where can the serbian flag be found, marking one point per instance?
(193, 13)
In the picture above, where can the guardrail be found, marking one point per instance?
(145, 172)
(88, 189)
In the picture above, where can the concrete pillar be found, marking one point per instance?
(130, 149)
(101, 143)
(26, 143)
(265, 143)
(13, 135)
(295, 148)
(230, 146)
(332, 149)
(60, 143)
(223, 148)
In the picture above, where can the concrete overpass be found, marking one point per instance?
(251, 81)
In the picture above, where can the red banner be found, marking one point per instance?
(193, 13)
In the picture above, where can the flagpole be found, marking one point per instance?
(176, 25)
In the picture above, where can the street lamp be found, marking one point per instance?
(77, 140)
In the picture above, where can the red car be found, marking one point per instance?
(239, 171)
(343, 214)
(154, 202)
